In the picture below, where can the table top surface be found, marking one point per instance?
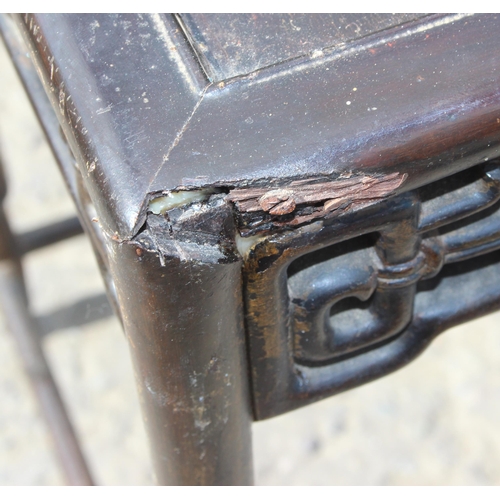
(230, 45)
(157, 103)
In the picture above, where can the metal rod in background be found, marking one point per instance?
(25, 332)
(48, 235)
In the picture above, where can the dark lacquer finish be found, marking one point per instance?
(343, 301)
(63, 156)
(420, 99)
(318, 205)
(123, 87)
(192, 374)
(230, 45)
(182, 313)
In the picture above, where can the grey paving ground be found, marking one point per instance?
(435, 422)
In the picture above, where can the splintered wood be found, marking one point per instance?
(322, 197)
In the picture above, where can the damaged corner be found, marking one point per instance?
(214, 224)
(193, 225)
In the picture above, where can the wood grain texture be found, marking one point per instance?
(322, 197)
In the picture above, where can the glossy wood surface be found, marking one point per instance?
(422, 99)
(230, 45)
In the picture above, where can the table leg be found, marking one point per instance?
(184, 323)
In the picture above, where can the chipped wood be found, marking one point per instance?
(325, 197)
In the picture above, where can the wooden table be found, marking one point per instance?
(283, 207)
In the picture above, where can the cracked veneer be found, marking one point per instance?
(332, 194)
(261, 209)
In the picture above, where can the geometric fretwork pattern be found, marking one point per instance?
(341, 302)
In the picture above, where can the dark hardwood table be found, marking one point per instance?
(283, 207)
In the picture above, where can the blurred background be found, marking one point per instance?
(434, 422)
